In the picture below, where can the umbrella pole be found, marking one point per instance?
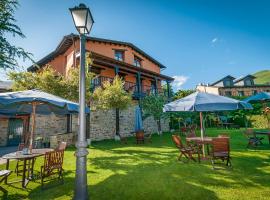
(201, 123)
(33, 126)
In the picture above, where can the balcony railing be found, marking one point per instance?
(128, 86)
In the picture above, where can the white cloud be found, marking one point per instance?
(179, 81)
(214, 40)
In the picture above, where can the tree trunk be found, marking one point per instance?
(117, 121)
(159, 126)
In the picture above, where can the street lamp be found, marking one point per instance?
(83, 21)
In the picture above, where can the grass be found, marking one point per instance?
(263, 77)
(151, 171)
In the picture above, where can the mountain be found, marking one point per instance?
(263, 77)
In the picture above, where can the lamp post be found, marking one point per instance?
(83, 21)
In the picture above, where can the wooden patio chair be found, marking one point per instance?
(191, 133)
(3, 177)
(221, 151)
(123, 139)
(185, 150)
(252, 140)
(53, 166)
(61, 146)
(148, 137)
(183, 131)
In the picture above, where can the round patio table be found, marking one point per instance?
(26, 158)
(202, 141)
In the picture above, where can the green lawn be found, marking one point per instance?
(151, 171)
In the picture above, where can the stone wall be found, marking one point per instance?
(47, 125)
(102, 124)
(3, 132)
(69, 138)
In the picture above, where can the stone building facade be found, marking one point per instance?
(102, 126)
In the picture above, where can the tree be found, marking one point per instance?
(48, 80)
(10, 53)
(266, 113)
(182, 93)
(112, 96)
(152, 105)
(165, 90)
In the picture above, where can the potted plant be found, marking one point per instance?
(140, 136)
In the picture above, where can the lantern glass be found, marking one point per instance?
(82, 18)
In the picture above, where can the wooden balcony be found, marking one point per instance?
(128, 86)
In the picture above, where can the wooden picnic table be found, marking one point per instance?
(28, 159)
(265, 132)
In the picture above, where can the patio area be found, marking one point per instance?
(151, 171)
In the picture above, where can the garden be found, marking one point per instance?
(152, 171)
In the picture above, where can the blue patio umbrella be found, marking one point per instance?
(138, 119)
(35, 101)
(262, 96)
(205, 102)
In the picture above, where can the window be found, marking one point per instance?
(228, 93)
(240, 93)
(137, 61)
(153, 88)
(227, 83)
(69, 123)
(248, 82)
(119, 55)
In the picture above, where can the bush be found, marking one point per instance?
(258, 121)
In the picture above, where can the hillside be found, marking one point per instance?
(263, 77)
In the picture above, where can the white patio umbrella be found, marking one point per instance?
(33, 102)
(205, 102)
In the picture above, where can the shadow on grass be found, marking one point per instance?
(159, 172)
(147, 175)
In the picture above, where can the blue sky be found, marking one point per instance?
(198, 41)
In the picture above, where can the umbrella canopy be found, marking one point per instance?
(21, 102)
(138, 119)
(262, 96)
(205, 102)
(35, 101)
